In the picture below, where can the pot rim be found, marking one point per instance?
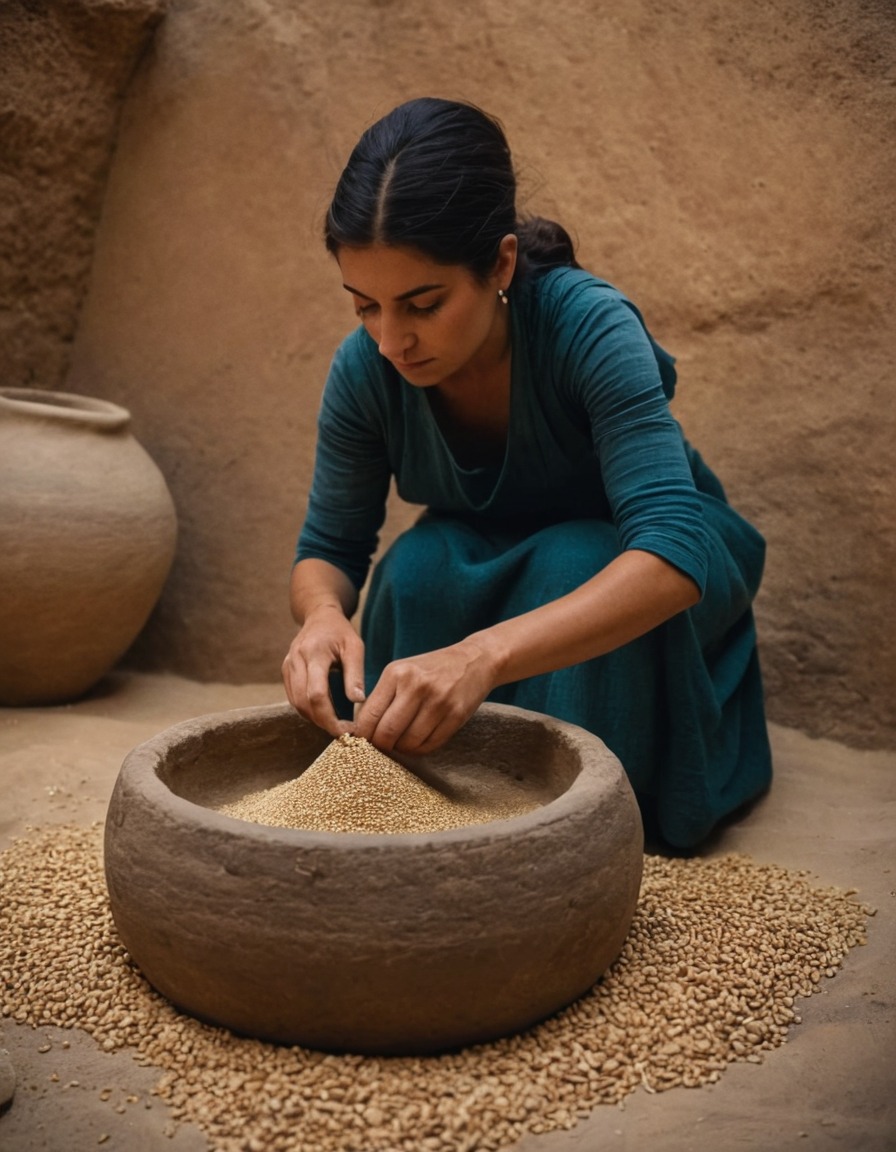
(67, 406)
(142, 764)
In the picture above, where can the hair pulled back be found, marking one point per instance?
(437, 175)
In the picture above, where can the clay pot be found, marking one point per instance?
(87, 534)
(391, 944)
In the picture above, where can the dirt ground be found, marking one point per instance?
(831, 811)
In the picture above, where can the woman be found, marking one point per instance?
(576, 556)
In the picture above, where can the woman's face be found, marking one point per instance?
(436, 323)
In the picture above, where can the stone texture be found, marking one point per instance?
(729, 166)
(64, 67)
(357, 942)
(7, 1080)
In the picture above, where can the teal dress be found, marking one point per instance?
(594, 464)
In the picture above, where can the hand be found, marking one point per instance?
(325, 640)
(421, 701)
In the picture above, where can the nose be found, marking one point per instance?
(394, 338)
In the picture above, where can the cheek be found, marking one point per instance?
(472, 324)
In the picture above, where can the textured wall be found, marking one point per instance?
(729, 166)
(64, 67)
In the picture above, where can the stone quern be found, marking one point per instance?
(404, 943)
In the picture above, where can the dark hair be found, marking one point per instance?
(437, 175)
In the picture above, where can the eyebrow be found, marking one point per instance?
(404, 295)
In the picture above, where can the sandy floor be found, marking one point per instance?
(832, 811)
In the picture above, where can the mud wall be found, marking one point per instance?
(729, 166)
(64, 68)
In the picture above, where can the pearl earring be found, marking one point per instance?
(502, 296)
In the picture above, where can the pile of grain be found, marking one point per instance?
(720, 949)
(353, 787)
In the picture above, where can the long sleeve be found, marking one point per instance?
(609, 370)
(347, 500)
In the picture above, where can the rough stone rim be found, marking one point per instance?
(141, 767)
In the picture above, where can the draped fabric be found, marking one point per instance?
(595, 464)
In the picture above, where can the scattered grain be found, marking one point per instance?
(353, 787)
(719, 952)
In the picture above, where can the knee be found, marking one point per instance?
(566, 555)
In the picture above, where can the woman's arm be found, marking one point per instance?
(318, 584)
(635, 593)
(421, 701)
(323, 599)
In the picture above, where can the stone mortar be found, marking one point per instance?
(388, 944)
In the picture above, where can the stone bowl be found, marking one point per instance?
(371, 943)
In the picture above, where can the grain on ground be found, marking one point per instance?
(719, 953)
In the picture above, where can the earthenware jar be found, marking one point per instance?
(87, 535)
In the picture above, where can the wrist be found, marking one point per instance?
(485, 650)
(320, 607)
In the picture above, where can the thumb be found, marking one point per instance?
(353, 679)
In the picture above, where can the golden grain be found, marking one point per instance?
(719, 952)
(353, 787)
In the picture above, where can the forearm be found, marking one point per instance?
(636, 592)
(318, 584)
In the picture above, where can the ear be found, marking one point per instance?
(505, 265)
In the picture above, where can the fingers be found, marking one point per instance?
(414, 709)
(353, 672)
(319, 701)
(421, 701)
(396, 730)
(309, 696)
(392, 722)
(293, 672)
(306, 675)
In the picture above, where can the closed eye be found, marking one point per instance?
(364, 311)
(429, 310)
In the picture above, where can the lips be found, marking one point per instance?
(411, 365)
